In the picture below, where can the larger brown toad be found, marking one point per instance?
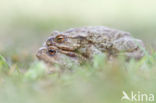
(92, 40)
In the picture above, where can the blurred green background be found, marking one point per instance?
(26, 24)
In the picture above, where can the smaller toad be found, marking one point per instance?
(52, 55)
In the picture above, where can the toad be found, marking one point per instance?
(52, 55)
(92, 40)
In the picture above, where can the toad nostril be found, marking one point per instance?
(49, 42)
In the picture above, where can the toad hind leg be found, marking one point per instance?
(130, 47)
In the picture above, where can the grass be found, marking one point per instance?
(101, 82)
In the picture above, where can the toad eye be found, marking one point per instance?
(52, 52)
(60, 38)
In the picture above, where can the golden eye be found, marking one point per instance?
(52, 52)
(60, 38)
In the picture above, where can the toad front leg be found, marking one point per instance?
(89, 51)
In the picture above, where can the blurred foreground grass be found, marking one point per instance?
(99, 82)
